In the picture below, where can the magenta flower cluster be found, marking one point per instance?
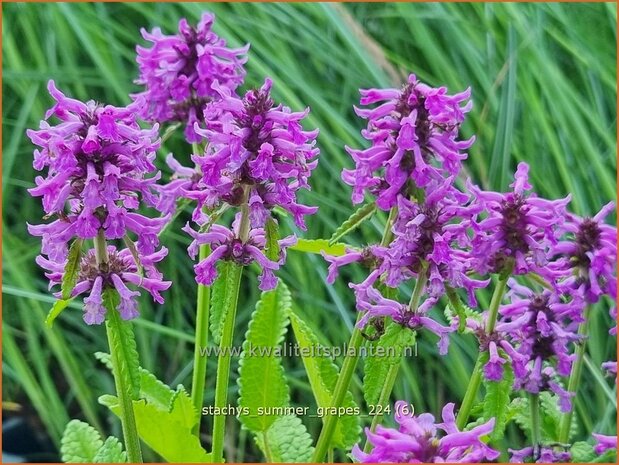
(180, 73)
(419, 439)
(99, 171)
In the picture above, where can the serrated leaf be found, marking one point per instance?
(182, 409)
(111, 452)
(392, 344)
(122, 344)
(71, 269)
(318, 246)
(226, 275)
(287, 441)
(582, 452)
(80, 443)
(262, 382)
(164, 432)
(56, 310)
(550, 417)
(322, 374)
(271, 249)
(353, 222)
(152, 389)
(497, 400)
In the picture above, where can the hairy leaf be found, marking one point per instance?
(80, 443)
(322, 374)
(56, 310)
(271, 249)
(286, 441)
(111, 452)
(353, 222)
(122, 344)
(318, 246)
(71, 269)
(392, 344)
(262, 382)
(582, 452)
(225, 280)
(497, 400)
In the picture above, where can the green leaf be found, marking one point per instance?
(152, 389)
(322, 374)
(582, 452)
(111, 452)
(318, 246)
(610, 456)
(56, 310)
(168, 433)
(353, 222)
(134, 252)
(392, 344)
(225, 276)
(461, 310)
(71, 269)
(271, 249)
(497, 400)
(122, 342)
(80, 443)
(262, 382)
(550, 417)
(287, 441)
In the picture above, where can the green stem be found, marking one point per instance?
(201, 340)
(475, 381)
(383, 399)
(566, 421)
(123, 389)
(223, 363)
(122, 378)
(536, 435)
(341, 388)
(330, 455)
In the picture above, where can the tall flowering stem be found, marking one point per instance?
(475, 381)
(536, 432)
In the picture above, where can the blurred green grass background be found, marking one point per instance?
(543, 78)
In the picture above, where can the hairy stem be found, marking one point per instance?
(575, 376)
(475, 381)
(201, 340)
(122, 378)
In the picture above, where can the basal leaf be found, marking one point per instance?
(392, 343)
(262, 383)
(353, 222)
(122, 343)
(271, 249)
(71, 269)
(322, 374)
(318, 246)
(111, 452)
(287, 441)
(80, 443)
(56, 310)
(497, 400)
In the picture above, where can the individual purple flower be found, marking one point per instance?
(610, 368)
(419, 439)
(517, 226)
(228, 246)
(414, 136)
(183, 180)
(120, 270)
(587, 257)
(604, 443)
(99, 168)
(370, 257)
(374, 305)
(179, 72)
(544, 454)
(258, 152)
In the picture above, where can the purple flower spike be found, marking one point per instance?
(258, 147)
(97, 159)
(180, 72)
(419, 439)
(414, 135)
(121, 270)
(517, 226)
